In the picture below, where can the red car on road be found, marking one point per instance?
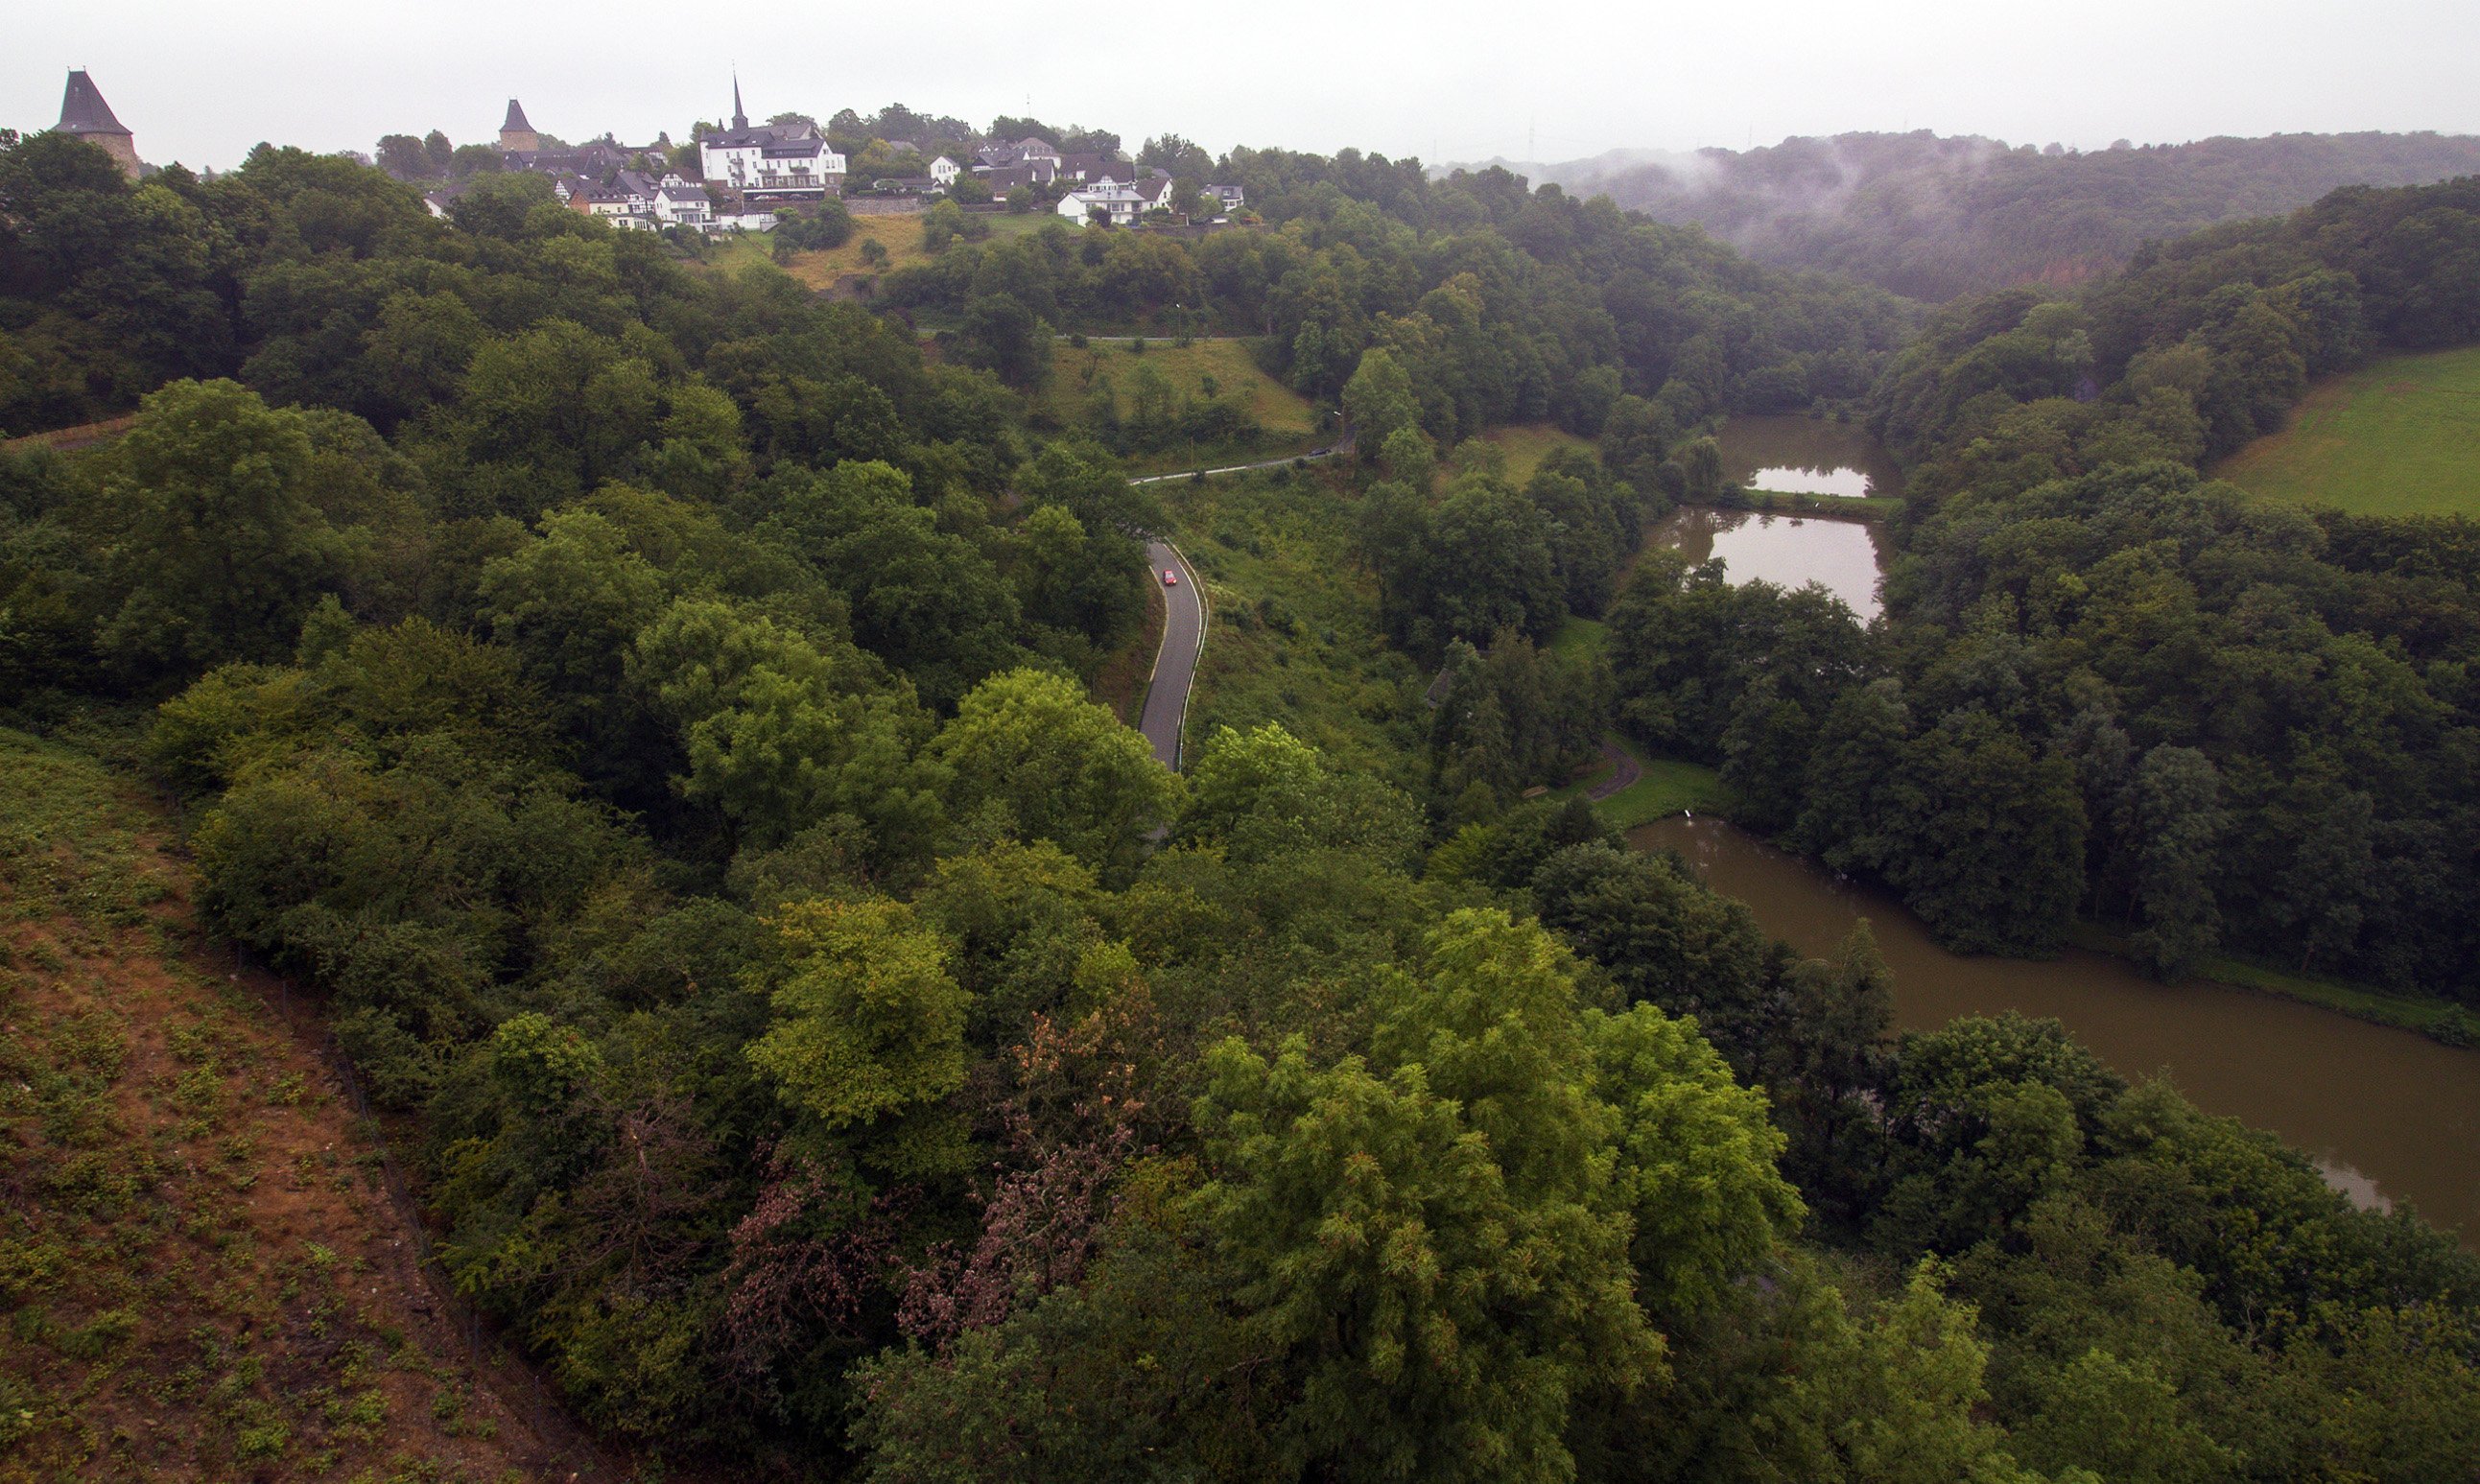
(1170, 578)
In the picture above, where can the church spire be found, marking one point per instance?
(739, 119)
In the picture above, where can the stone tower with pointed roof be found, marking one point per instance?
(84, 115)
(516, 136)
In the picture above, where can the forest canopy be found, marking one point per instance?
(650, 710)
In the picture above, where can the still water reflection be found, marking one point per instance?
(1806, 456)
(1788, 550)
(2388, 1116)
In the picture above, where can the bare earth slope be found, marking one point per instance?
(201, 1276)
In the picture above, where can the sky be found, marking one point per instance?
(1445, 80)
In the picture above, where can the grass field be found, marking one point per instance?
(2399, 437)
(1290, 422)
(1074, 373)
(1665, 786)
(1293, 632)
(900, 236)
(1526, 445)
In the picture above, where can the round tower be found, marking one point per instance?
(84, 115)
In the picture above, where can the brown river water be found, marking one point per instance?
(2392, 1118)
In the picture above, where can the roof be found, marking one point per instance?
(516, 119)
(83, 110)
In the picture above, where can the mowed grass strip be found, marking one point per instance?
(2400, 436)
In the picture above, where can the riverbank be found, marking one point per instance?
(1835, 507)
(1662, 786)
(2449, 1025)
(2393, 1118)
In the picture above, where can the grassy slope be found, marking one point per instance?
(900, 236)
(1290, 422)
(2399, 437)
(1293, 633)
(198, 1277)
(1526, 445)
(1666, 786)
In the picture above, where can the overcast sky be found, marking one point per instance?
(201, 83)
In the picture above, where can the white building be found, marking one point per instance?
(1120, 204)
(682, 203)
(944, 170)
(770, 162)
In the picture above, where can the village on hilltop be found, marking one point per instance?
(744, 177)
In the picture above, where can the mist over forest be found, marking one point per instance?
(1931, 216)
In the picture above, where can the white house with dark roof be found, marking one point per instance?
(1119, 204)
(772, 162)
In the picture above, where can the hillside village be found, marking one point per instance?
(737, 176)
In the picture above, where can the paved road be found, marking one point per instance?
(1242, 469)
(1623, 772)
(1183, 641)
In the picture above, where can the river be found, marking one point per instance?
(2392, 1118)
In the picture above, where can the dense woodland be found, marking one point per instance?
(647, 709)
(1933, 217)
(2107, 685)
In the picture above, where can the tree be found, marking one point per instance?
(1379, 400)
(403, 156)
(2180, 823)
(784, 735)
(868, 1032)
(1041, 763)
(570, 603)
(1702, 461)
(221, 551)
(1001, 335)
(1264, 796)
(1427, 1233)
(925, 599)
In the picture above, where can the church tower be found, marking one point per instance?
(516, 136)
(84, 115)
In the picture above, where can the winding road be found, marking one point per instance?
(1183, 638)
(1183, 644)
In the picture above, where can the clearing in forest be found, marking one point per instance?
(1526, 445)
(2399, 436)
(1198, 369)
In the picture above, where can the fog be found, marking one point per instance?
(1442, 81)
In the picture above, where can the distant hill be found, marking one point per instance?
(1934, 216)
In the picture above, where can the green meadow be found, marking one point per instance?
(2400, 436)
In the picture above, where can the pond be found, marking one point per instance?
(1790, 551)
(1806, 456)
(2390, 1118)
